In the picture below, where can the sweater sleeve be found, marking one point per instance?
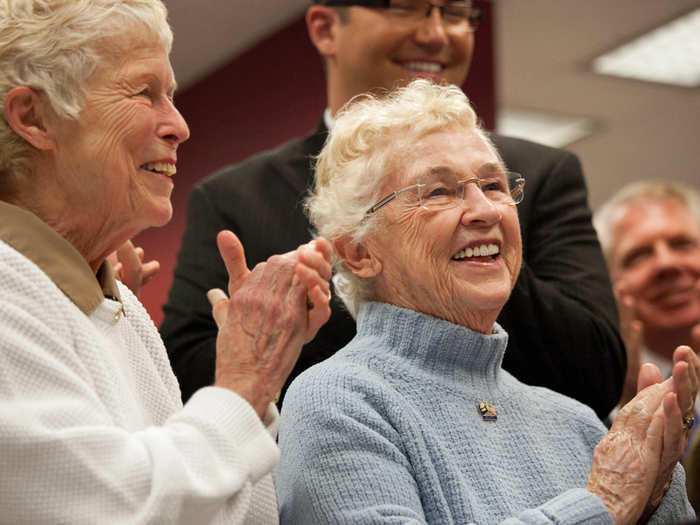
(347, 464)
(675, 507)
(66, 458)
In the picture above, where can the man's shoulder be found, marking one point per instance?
(284, 157)
(517, 151)
(291, 160)
(537, 162)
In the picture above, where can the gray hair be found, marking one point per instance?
(53, 46)
(369, 138)
(605, 217)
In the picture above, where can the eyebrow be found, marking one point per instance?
(491, 168)
(150, 75)
(486, 169)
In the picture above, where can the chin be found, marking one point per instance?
(674, 321)
(160, 216)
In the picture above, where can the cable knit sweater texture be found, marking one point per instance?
(388, 431)
(92, 429)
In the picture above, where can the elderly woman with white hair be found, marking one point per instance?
(92, 428)
(415, 421)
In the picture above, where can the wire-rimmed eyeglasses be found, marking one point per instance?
(439, 194)
(452, 12)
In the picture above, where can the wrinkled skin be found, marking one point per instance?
(267, 319)
(633, 464)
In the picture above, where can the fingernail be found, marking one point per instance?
(215, 295)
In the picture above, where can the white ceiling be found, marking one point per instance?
(543, 49)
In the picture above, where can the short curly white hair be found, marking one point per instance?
(369, 137)
(53, 46)
(606, 216)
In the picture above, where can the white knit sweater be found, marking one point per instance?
(92, 429)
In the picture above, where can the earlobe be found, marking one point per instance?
(357, 257)
(25, 112)
(321, 23)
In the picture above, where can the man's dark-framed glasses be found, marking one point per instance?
(453, 12)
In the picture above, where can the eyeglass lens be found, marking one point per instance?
(453, 12)
(437, 194)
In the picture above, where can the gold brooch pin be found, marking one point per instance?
(487, 410)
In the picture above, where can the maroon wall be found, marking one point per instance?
(274, 91)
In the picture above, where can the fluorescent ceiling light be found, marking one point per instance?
(552, 130)
(669, 54)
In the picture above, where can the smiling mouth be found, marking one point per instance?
(161, 168)
(481, 252)
(674, 295)
(424, 67)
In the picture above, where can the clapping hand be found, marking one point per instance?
(269, 314)
(129, 268)
(633, 464)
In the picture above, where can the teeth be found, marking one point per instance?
(478, 251)
(428, 67)
(161, 167)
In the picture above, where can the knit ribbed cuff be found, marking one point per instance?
(240, 425)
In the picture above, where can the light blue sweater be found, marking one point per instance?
(388, 430)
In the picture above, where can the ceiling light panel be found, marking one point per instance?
(669, 54)
(549, 129)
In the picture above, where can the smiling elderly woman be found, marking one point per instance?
(92, 429)
(415, 421)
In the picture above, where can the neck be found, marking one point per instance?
(482, 321)
(339, 92)
(92, 238)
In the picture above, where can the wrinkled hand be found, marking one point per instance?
(684, 383)
(669, 400)
(626, 462)
(264, 324)
(129, 267)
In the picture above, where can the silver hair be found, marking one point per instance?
(606, 216)
(53, 46)
(370, 136)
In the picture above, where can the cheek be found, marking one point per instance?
(425, 236)
(511, 229)
(634, 279)
(692, 261)
(462, 46)
(118, 133)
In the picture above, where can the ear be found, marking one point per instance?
(321, 24)
(26, 113)
(357, 257)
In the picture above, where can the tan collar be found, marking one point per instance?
(57, 258)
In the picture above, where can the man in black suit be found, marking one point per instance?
(561, 316)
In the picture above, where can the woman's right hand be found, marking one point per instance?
(628, 460)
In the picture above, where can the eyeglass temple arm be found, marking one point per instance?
(349, 3)
(386, 200)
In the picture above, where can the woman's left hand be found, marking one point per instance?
(627, 461)
(679, 416)
(129, 267)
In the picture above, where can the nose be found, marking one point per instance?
(665, 261)
(431, 32)
(174, 128)
(477, 209)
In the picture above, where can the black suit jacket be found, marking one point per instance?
(561, 316)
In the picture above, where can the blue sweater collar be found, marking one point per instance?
(432, 344)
